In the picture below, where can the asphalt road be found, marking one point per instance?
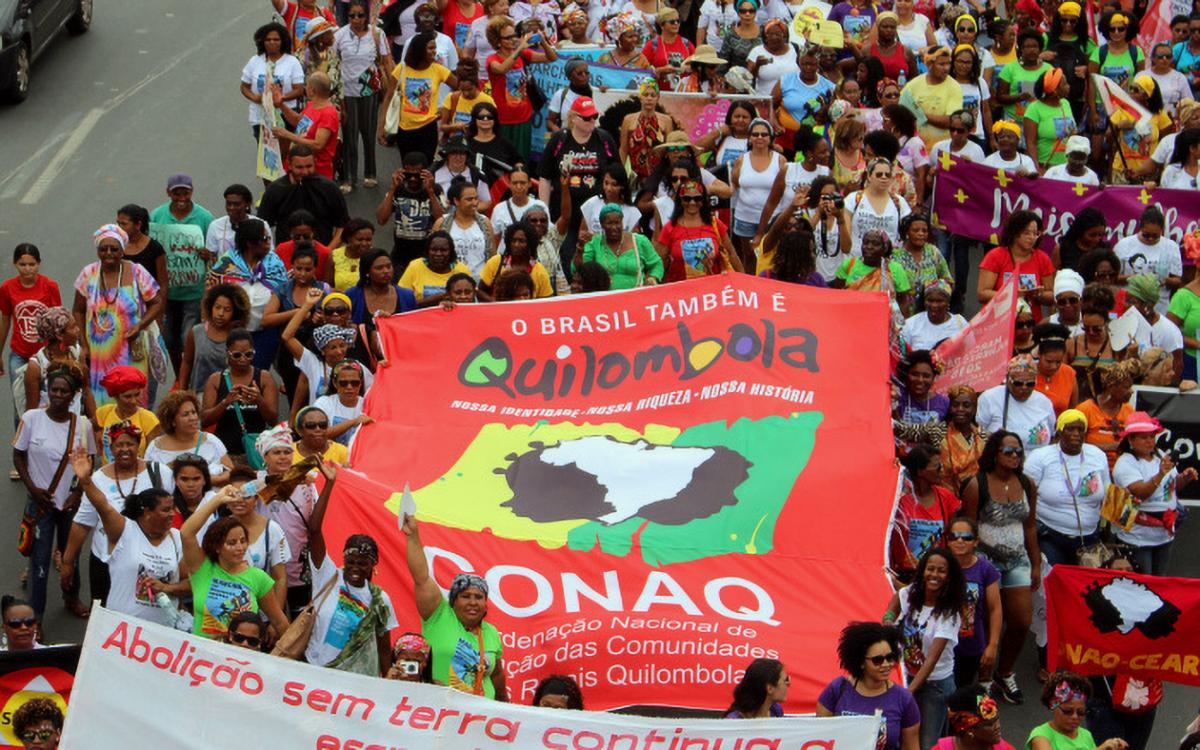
(152, 89)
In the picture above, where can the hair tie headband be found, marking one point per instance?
(935, 53)
(362, 545)
(965, 48)
(336, 296)
(968, 19)
(412, 642)
(124, 427)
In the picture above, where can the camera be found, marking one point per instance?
(410, 667)
(837, 200)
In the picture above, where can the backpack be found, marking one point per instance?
(1134, 53)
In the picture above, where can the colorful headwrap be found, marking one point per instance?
(124, 427)
(336, 296)
(1063, 692)
(621, 23)
(838, 109)
(52, 323)
(1145, 83)
(1070, 417)
(573, 15)
(1033, 9)
(68, 370)
(279, 436)
(316, 27)
(743, 2)
(464, 581)
(935, 53)
(346, 364)
(1143, 286)
(1118, 18)
(1022, 362)
(961, 389)
(883, 84)
(999, 126)
(1070, 9)
(965, 48)
(647, 85)
(883, 237)
(938, 285)
(328, 333)
(110, 232)
(968, 18)
(412, 642)
(1051, 79)
(961, 722)
(123, 378)
(1118, 372)
(361, 544)
(300, 415)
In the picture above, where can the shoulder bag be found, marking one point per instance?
(253, 457)
(1089, 555)
(293, 641)
(27, 531)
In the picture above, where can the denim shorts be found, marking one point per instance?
(744, 228)
(1020, 574)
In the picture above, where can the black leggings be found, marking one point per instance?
(99, 579)
(360, 113)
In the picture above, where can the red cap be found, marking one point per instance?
(584, 106)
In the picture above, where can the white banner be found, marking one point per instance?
(172, 689)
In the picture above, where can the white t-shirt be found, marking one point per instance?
(927, 628)
(590, 210)
(257, 554)
(133, 562)
(1130, 469)
(1086, 477)
(502, 218)
(1164, 149)
(1174, 86)
(970, 151)
(209, 447)
(561, 103)
(863, 218)
(317, 372)
(288, 75)
(339, 413)
(88, 516)
(919, 333)
(340, 613)
(1059, 172)
(1032, 419)
(444, 177)
(794, 178)
(1174, 176)
(1019, 163)
(44, 442)
(469, 244)
(1162, 259)
(730, 149)
(477, 40)
(828, 250)
(1163, 334)
(357, 55)
(975, 98)
(769, 74)
(716, 20)
(912, 34)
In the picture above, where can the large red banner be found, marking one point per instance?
(660, 485)
(978, 355)
(1106, 622)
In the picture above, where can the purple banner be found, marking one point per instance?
(974, 201)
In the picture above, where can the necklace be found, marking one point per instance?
(117, 482)
(115, 290)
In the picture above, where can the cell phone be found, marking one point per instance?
(535, 39)
(410, 667)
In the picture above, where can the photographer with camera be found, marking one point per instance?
(830, 228)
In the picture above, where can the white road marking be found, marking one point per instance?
(56, 165)
(1190, 503)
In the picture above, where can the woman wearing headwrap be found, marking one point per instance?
(625, 30)
(695, 243)
(629, 258)
(743, 36)
(1017, 407)
(578, 77)
(1068, 41)
(57, 329)
(1071, 478)
(935, 323)
(115, 300)
(1160, 332)
(1068, 296)
(574, 23)
(353, 615)
(126, 385)
(343, 401)
(1107, 412)
(644, 130)
(1049, 121)
(410, 659)
(1066, 695)
(312, 425)
(1137, 143)
(43, 437)
(333, 341)
(933, 97)
(773, 59)
(974, 722)
(958, 439)
(1007, 136)
(123, 478)
(466, 649)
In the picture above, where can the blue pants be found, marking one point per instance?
(1060, 548)
(931, 699)
(56, 523)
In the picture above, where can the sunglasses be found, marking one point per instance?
(348, 383)
(38, 735)
(892, 95)
(506, 37)
(1116, 28)
(593, 118)
(314, 425)
(1081, 712)
(760, 134)
(1161, 56)
(691, 199)
(1067, 301)
(962, 536)
(882, 175)
(24, 622)
(484, 117)
(882, 659)
(671, 21)
(242, 355)
(1024, 324)
(1008, 450)
(747, 10)
(958, 130)
(337, 310)
(190, 458)
(252, 641)
(1023, 383)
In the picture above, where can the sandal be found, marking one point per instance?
(77, 608)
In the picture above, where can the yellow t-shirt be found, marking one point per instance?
(426, 283)
(932, 99)
(106, 416)
(420, 92)
(541, 278)
(345, 269)
(463, 106)
(334, 453)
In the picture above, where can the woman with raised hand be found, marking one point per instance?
(466, 649)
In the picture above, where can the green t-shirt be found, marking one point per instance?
(1020, 80)
(854, 268)
(218, 595)
(185, 268)
(1185, 305)
(1083, 738)
(1117, 67)
(1054, 126)
(455, 651)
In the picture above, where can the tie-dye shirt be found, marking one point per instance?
(111, 313)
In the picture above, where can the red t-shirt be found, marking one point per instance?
(22, 306)
(284, 251)
(659, 53)
(455, 23)
(508, 90)
(297, 18)
(1030, 273)
(922, 528)
(313, 119)
(694, 251)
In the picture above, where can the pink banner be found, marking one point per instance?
(973, 201)
(978, 356)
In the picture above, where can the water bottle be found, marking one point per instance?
(903, 77)
(173, 613)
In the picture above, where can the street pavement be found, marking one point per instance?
(151, 90)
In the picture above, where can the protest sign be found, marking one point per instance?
(251, 699)
(697, 114)
(39, 673)
(978, 354)
(1107, 622)
(974, 201)
(268, 162)
(186, 267)
(803, 20)
(649, 479)
(1180, 417)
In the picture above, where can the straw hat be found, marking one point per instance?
(705, 54)
(676, 139)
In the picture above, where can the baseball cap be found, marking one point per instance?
(181, 179)
(584, 107)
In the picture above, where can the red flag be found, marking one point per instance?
(1108, 622)
(1155, 26)
(978, 354)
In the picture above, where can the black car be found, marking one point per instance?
(26, 29)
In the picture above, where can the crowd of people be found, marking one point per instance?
(177, 383)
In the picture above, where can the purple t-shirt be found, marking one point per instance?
(897, 705)
(855, 22)
(972, 638)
